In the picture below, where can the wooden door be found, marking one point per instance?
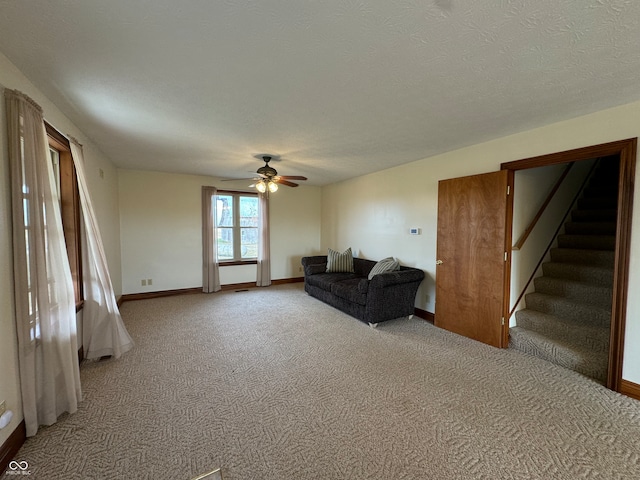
(473, 256)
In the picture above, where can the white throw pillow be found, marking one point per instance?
(340, 262)
(385, 265)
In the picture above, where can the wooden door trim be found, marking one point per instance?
(577, 154)
(627, 151)
(621, 269)
(507, 264)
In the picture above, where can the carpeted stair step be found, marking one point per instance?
(595, 215)
(608, 175)
(599, 189)
(568, 309)
(607, 172)
(587, 293)
(587, 242)
(593, 203)
(567, 318)
(582, 360)
(595, 275)
(603, 182)
(590, 228)
(555, 328)
(596, 258)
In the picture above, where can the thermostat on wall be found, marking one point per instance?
(414, 231)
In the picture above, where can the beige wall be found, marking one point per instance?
(155, 218)
(105, 199)
(161, 233)
(372, 213)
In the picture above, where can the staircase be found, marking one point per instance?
(567, 318)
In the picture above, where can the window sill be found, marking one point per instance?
(238, 262)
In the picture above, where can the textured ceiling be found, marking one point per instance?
(336, 88)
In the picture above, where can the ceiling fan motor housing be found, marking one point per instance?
(267, 171)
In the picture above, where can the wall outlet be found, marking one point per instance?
(149, 281)
(143, 283)
(3, 407)
(300, 268)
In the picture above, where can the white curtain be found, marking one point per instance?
(44, 294)
(264, 261)
(103, 332)
(210, 264)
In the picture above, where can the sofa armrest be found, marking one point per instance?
(399, 276)
(392, 294)
(314, 265)
(315, 269)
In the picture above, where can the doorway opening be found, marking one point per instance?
(625, 150)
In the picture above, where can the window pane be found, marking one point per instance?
(248, 211)
(249, 242)
(55, 161)
(224, 211)
(25, 209)
(225, 243)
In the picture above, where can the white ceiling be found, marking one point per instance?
(337, 88)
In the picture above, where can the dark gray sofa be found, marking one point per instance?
(385, 297)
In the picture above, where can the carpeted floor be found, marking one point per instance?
(273, 384)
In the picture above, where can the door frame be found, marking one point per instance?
(626, 150)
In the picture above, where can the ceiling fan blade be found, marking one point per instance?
(293, 177)
(235, 179)
(285, 182)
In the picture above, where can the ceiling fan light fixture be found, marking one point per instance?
(261, 186)
(273, 187)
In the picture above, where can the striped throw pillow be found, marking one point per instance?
(384, 265)
(340, 262)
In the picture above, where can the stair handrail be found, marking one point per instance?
(523, 238)
(553, 238)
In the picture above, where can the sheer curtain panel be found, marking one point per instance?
(264, 248)
(103, 332)
(44, 295)
(210, 264)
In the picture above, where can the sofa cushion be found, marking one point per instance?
(348, 289)
(363, 285)
(325, 280)
(340, 262)
(385, 265)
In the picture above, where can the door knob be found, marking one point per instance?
(438, 262)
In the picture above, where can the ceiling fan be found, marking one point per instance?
(268, 178)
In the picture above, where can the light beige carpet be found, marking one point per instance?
(273, 384)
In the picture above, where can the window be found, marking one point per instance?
(27, 198)
(237, 227)
(67, 185)
(55, 162)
